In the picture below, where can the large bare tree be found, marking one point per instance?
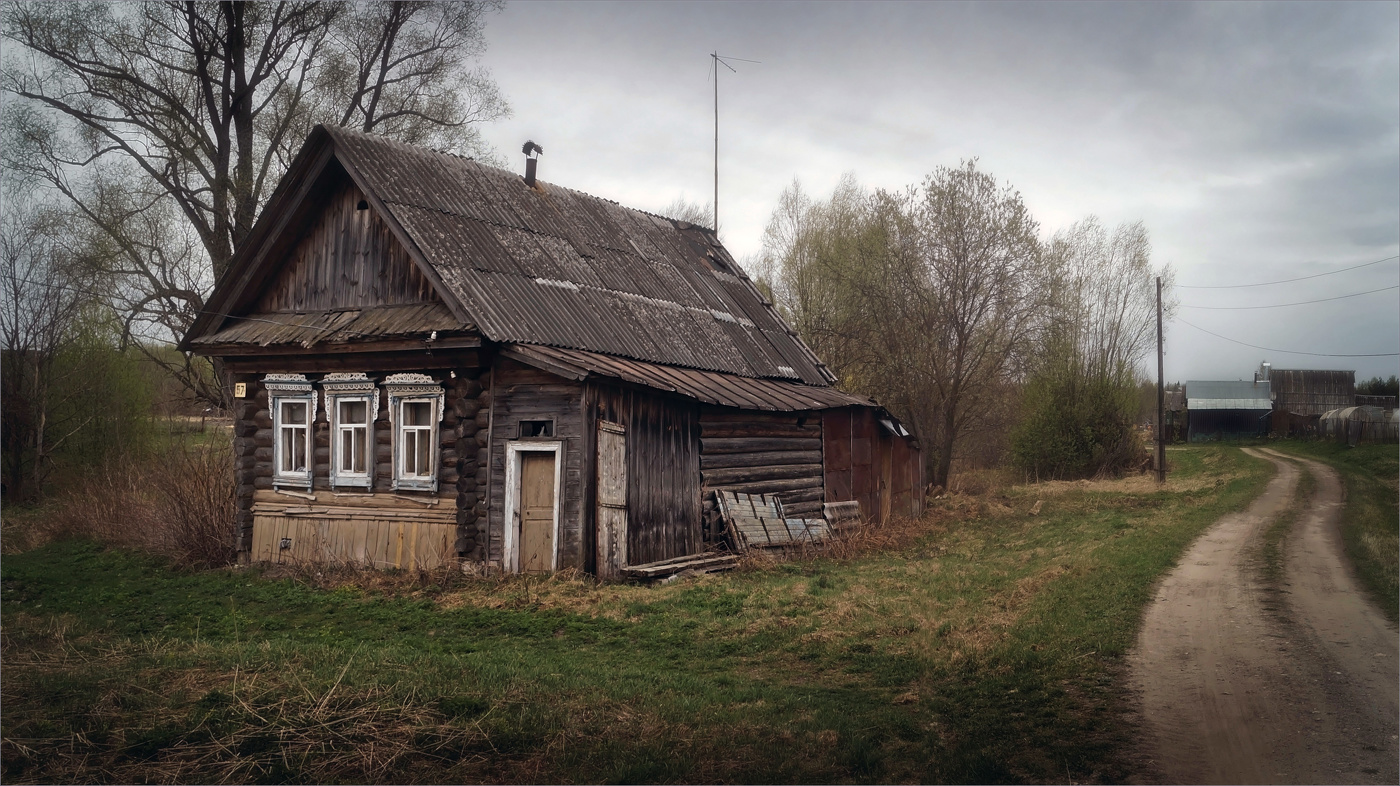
(167, 124)
(927, 299)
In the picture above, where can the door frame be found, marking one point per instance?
(512, 509)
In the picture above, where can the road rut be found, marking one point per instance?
(1244, 681)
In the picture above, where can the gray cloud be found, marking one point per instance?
(1254, 140)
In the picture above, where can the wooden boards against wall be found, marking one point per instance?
(323, 534)
(764, 453)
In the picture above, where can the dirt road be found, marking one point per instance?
(1244, 681)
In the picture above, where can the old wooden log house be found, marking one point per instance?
(435, 359)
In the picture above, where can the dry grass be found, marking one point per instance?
(179, 505)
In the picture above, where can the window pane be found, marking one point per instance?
(299, 449)
(288, 435)
(425, 458)
(417, 413)
(410, 452)
(294, 412)
(352, 412)
(347, 450)
(361, 451)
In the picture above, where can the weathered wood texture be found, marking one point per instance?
(772, 453)
(663, 469)
(868, 464)
(409, 544)
(346, 258)
(611, 511)
(525, 393)
(460, 434)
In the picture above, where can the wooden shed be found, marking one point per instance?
(435, 359)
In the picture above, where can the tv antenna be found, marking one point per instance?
(718, 60)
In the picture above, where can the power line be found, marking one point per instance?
(1289, 280)
(1299, 303)
(1289, 351)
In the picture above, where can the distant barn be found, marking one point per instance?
(437, 359)
(1227, 410)
(1301, 396)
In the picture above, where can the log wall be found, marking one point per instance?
(457, 504)
(764, 453)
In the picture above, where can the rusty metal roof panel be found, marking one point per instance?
(711, 387)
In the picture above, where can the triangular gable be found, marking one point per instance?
(346, 257)
(316, 178)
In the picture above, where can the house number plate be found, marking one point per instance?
(240, 390)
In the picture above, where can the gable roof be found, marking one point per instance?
(544, 265)
(1205, 394)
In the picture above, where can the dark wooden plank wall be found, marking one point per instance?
(868, 464)
(461, 431)
(764, 453)
(347, 258)
(525, 393)
(663, 470)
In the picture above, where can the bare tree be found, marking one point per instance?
(926, 299)
(42, 294)
(170, 122)
(682, 209)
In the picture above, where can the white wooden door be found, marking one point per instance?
(612, 499)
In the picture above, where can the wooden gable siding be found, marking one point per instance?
(519, 392)
(345, 258)
(764, 453)
(663, 470)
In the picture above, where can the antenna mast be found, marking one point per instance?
(717, 61)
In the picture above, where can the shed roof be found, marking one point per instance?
(548, 265)
(711, 387)
(1206, 394)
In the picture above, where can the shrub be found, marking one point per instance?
(1077, 426)
(179, 504)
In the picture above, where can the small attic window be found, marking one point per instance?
(536, 428)
(362, 205)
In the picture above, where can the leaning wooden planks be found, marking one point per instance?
(757, 520)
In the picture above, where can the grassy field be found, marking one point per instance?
(987, 647)
(1371, 520)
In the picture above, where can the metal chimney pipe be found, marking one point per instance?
(530, 172)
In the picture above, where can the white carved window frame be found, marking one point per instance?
(291, 388)
(350, 387)
(404, 389)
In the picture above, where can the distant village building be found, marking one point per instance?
(433, 359)
(1227, 410)
(1301, 396)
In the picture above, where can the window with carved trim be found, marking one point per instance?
(352, 402)
(292, 402)
(415, 407)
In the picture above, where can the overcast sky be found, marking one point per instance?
(1256, 142)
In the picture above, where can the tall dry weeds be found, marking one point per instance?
(179, 505)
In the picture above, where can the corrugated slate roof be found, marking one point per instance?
(1206, 394)
(728, 390)
(556, 267)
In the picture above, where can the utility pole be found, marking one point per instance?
(1161, 396)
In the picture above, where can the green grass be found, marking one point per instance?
(1371, 518)
(988, 649)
